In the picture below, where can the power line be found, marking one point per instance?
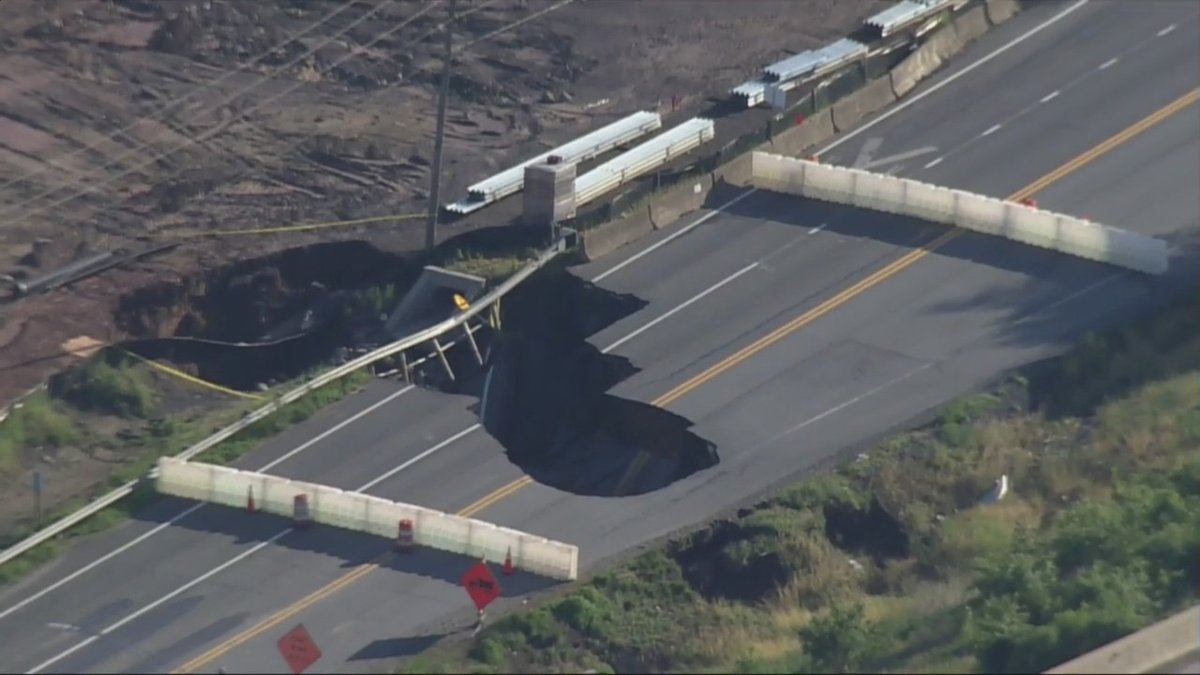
(11, 210)
(160, 114)
(238, 116)
(435, 179)
(515, 24)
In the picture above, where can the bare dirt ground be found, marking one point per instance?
(124, 122)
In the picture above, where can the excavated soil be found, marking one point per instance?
(123, 122)
(127, 124)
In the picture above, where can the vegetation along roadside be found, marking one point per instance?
(106, 421)
(894, 562)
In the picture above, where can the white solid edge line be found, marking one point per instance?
(852, 134)
(841, 406)
(239, 557)
(679, 308)
(674, 235)
(192, 509)
(382, 477)
(871, 392)
(953, 78)
(374, 482)
(229, 563)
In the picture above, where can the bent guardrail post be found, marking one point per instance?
(442, 357)
(59, 527)
(473, 343)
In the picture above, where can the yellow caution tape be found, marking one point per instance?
(301, 228)
(193, 379)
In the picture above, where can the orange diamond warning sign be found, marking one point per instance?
(298, 649)
(481, 585)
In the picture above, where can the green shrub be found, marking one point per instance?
(37, 423)
(586, 612)
(113, 389)
(838, 641)
(490, 651)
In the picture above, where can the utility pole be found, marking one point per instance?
(436, 179)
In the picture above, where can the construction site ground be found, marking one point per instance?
(128, 123)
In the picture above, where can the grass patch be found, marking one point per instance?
(891, 563)
(46, 419)
(40, 422)
(107, 384)
(494, 266)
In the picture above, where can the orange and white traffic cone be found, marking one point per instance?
(250, 498)
(508, 566)
(404, 538)
(301, 517)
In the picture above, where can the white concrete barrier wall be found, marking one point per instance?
(987, 215)
(372, 515)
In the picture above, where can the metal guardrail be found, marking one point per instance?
(47, 533)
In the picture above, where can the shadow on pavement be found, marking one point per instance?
(163, 659)
(352, 549)
(1052, 301)
(548, 402)
(396, 647)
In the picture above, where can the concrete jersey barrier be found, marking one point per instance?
(987, 215)
(49, 532)
(875, 96)
(816, 128)
(365, 513)
(597, 242)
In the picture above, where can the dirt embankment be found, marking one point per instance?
(124, 121)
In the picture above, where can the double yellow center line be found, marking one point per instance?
(713, 371)
(338, 584)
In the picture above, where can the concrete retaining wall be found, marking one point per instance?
(734, 173)
(799, 138)
(604, 239)
(821, 126)
(666, 207)
(944, 44)
(972, 25)
(680, 199)
(874, 96)
(910, 71)
(999, 11)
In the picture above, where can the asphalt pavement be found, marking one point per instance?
(842, 354)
